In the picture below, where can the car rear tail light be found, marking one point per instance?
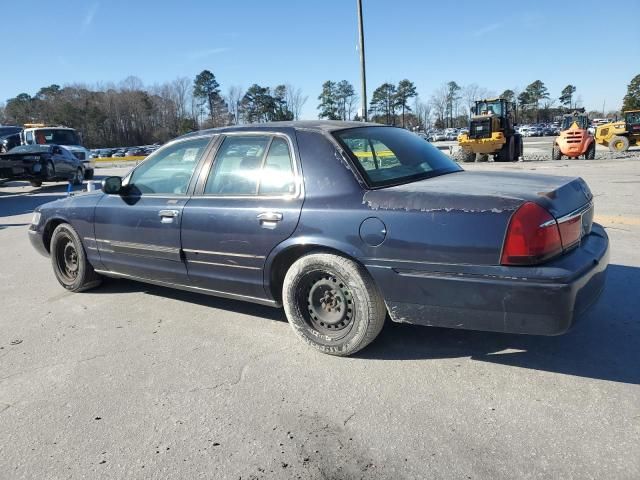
(570, 231)
(532, 237)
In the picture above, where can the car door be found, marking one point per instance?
(61, 162)
(137, 232)
(246, 203)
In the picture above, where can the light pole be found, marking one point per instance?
(363, 75)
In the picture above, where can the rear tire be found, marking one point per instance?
(332, 303)
(468, 156)
(619, 144)
(50, 171)
(35, 183)
(519, 147)
(78, 177)
(507, 152)
(483, 157)
(69, 260)
(556, 153)
(88, 174)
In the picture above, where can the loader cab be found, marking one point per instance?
(632, 121)
(489, 116)
(581, 120)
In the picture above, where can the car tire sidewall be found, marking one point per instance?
(370, 310)
(87, 278)
(50, 171)
(78, 177)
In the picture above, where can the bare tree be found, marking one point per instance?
(234, 96)
(422, 111)
(131, 83)
(295, 100)
(439, 101)
(182, 92)
(471, 93)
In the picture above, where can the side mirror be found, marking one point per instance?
(112, 185)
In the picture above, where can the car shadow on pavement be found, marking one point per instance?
(604, 344)
(111, 286)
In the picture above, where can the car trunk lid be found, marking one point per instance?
(485, 191)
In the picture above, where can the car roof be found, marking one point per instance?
(321, 126)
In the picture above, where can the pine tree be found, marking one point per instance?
(406, 90)
(631, 100)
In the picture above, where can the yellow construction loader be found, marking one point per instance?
(618, 136)
(491, 132)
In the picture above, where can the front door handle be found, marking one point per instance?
(269, 219)
(168, 213)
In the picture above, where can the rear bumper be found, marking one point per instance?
(543, 300)
(22, 170)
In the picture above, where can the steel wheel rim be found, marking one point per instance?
(67, 259)
(326, 304)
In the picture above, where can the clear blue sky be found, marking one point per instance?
(496, 44)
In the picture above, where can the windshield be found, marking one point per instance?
(4, 131)
(633, 117)
(56, 136)
(581, 120)
(389, 156)
(486, 108)
(29, 149)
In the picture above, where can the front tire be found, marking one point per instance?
(619, 144)
(69, 260)
(332, 303)
(556, 153)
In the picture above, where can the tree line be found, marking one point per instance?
(130, 113)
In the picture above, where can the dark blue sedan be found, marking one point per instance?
(343, 224)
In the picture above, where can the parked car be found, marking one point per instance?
(342, 223)
(438, 136)
(8, 141)
(452, 135)
(525, 131)
(41, 163)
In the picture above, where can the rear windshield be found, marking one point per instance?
(30, 149)
(390, 156)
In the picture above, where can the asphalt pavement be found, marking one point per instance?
(135, 381)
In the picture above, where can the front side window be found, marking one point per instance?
(389, 156)
(252, 165)
(170, 170)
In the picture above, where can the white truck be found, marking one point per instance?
(40, 134)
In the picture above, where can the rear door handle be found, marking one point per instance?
(168, 213)
(269, 219)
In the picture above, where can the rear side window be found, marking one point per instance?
(390, 156)
(252, 165)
